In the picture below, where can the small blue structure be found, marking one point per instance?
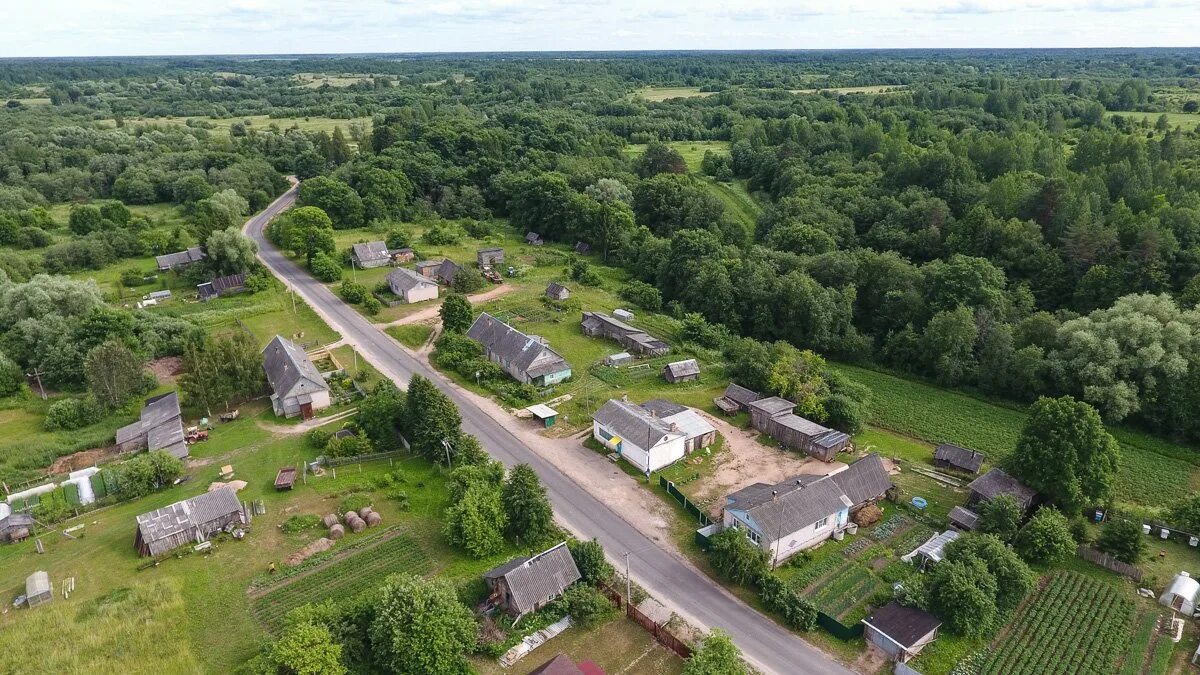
(919, 502)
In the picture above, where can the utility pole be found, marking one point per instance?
(353, 269)
(37, 374)
(628, 593)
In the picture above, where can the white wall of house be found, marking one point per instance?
(289, 406)
(669, 451)
(790, 543)
(420, 293)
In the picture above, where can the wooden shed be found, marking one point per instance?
(286, 478)
(901, 632)
(773, 416)
(957, 458)
(681, 371)
(190, 521)
(489, 256)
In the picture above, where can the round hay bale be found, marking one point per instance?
(337, 531)
(374, 519)
(350, 515)
(365, 511)
(330, 520)
(358, 526)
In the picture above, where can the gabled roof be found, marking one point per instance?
(429, 263)
(690, 423)
(532, 581)
(683, 368)
(287, 365)
(772, 405)
(371, 250)
(447, 270)
(161, 423)
(635, 423)
(741, 395)
(209, 506)
(555, 288)
(864, 480)
(523, 352)
(531, 237)
(184, 257)
(406, 279)
(795, 504)
(963, 517)
(962, 458)
(905, 625)
(996, 482)
(663, 408)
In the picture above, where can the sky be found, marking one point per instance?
(159, 27)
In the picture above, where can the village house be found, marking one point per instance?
(950, 456)
(995, 483)
(789, 517)
(220, 286)
(489, 256)
(595, 324)
(638, 436)
(298, 386)
(526, 358)
(159, 427)
(556, 291)
(900, 632)
(681, 371)
(773, 416)
(190, 521)
(698, 433)
(428, 268)
(524, 585)
(370, 254)
(735, 399)
(410, 286)
(179, 259)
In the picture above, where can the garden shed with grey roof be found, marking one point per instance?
(997, 482)
(687, 370)
(410, 286)
(955, 457)
(180, 259)
(774, 417)
(160, 427)
(190, 521)
(526, 585)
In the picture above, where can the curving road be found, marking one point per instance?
(765, 644)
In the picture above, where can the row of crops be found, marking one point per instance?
(847, 589)
(1074, 625)
(344, 579)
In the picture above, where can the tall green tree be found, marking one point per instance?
(1123, 539)
(339, 200)
(230, 251)
(717, 655)
(420, 627)
(434, 424)
(309, 232)
(530, 516)
(475, 522)
(381, 414)
(456, 313)
(1066, 454)
(1000, 516)
(1046, 539)
(114, 374)
(307, 649)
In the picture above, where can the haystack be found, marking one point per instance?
(358, 525)
(349, 516)
(337, 531)
(365, 511)
(374, 519)
(330, 520)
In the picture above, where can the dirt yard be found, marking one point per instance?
(82, 460)
(167, 369)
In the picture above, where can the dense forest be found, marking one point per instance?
(981, 219)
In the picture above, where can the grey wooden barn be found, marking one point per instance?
(190, 521)
(774, 417)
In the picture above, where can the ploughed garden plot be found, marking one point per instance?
(342, 579)
(1079, 623)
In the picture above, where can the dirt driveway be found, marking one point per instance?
(431, 312)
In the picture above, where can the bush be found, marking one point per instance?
(398, 238)
(642, 294)
(581, 271)
(589, 559)
(132, 277)
(442, 234)
(372, 305)
(31, 237)
(588, 606)
(1123, 540)
(11, 376)
(736, 558)
(353, 292)
(467, 280)
(1046, 539)
(52, 507)
(349, 446)
(300, 523)
(72, 413)
(355, 501)
(319, 437)
(258, 281)
(326, 268)
(781, 597)
(144, 473)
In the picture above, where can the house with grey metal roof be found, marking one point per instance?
(698, 432)
(687, 370)
(526, 358)
(298, 386)
(638, 435)
(159, 427)
(950, 456)
(191, 521)
(370, 254)
(788, 517)
(773, 416)
(525, 585)
(635, 340)
(997, 482)
(410, 286)
(180, 259)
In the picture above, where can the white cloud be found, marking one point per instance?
(97, 27)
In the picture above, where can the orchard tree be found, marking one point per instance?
(420, 627)
(1014, 579)
(1066, 454)
(114, 374)
(230, 251)
(475, 522)
(1000, 516)
(456, 313)
(1046, 539)
(530, 517)
(717, 655)
(1123, 539)
(307, 649)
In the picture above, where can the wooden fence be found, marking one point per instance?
(1109, 563)
(660, 633)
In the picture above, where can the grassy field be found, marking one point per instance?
(1153, 473)
(1186, 120)
(318, 80)
(874, 89)
(656, 94)
(411, 335)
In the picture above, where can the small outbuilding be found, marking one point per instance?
(901, 632)
(180, 259)
(370, 254)
(220, 286)
(556, 291)
(1182, 594)
(583, 248)
(533, 238)
(403, 255)
(545, 413)
(489, 256)
(14, 527)
(191, 521)
(428, 268)
(681, 371)
(446, 272)
(618, 359)
(38, 589)
(997, 482)
(963, 519)
(736, 399)
(524, 585)
(950, 456)
(932, 551)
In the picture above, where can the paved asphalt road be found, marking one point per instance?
(768, 646)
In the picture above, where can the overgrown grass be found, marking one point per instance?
(412, 335)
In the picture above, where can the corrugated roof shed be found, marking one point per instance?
(180, 258)
(690, 422)
(684, 368)
(959, 457)
(160, 530)
(773, 405)
(864, 480)
(996, 482)
(963, 517)
(545, 575)
(634, 423)
(403, 279)
(741, 395)
(161, 423)
(905, 625)
(663, 408)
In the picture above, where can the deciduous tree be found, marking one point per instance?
(456, 313)
(1066, 454)
(420, 627)
(717, 655)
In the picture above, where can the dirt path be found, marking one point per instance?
(303, 427)
(432, 310)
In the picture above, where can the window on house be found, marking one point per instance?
(821, 523)
(753, 536)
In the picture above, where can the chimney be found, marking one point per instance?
(674, 426)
